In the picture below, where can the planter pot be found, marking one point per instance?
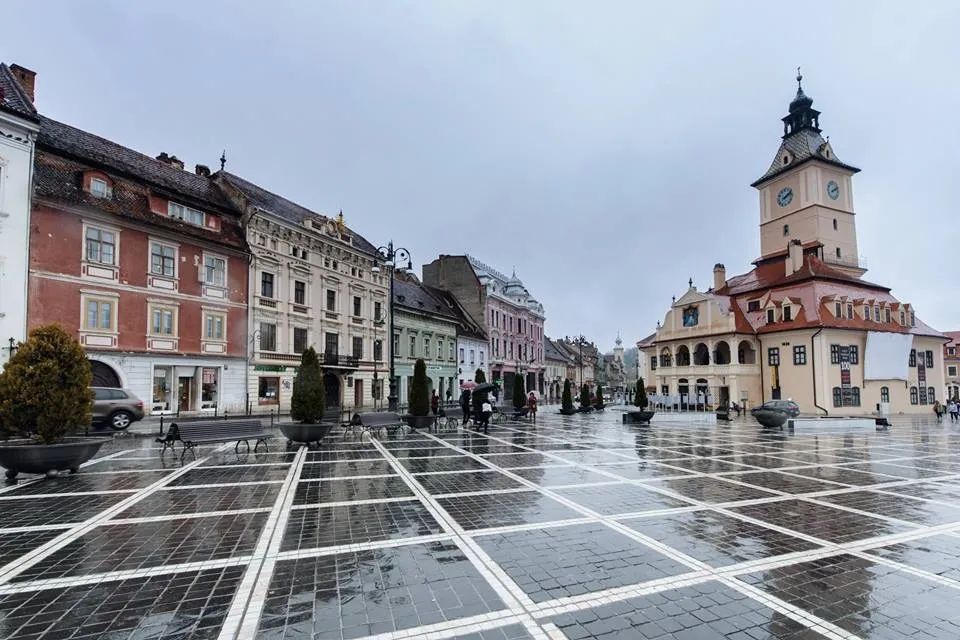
(567, 412)
(638, 417)
(419, 422)
(599, 407)
(296, 432)
(770, 418)
(585, 409)
(723, 415)
(22, 456)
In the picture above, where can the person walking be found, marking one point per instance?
(465, 406)
(485, 410)
(532, 406)
(435, 403)
(954, 410)
(938, 411)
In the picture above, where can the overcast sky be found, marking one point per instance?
(604, 149)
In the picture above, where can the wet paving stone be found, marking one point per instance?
(135, 464)
(90, 482)
(344, 455)
(902, 469)
(353, 595)
(844, 475)
(613, 499)
(823, 522)
(706, 611)
(939, 555)
(558, 476)
(783, 482)
(505, 509)
(230, 458)
(715, 538)
(349, 524)
(901, 507)
(350, 489)
(127, 547)
(642, 470)
(942, 491)
(172, 606)
(172, 501)
(864, 598)
(713, 490)
(462, 482)
(519, 460)
(807, 458)
(559, 562)
(761, 461)
(593, 457)
(509, 632)
(16, 545)
(317, 470)
(26, 512)
(445, 464)
(230, 475)
(703, 465)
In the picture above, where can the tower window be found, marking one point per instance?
(834, 224)
(786, 160)
(786, 229)
(838, 252)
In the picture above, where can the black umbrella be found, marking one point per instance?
(486, 387)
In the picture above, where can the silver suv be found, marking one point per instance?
(116, 408)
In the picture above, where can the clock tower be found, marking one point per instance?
(807, 193)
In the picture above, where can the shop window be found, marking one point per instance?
(914, 396)
(884, 394)
(209, 385)
(162, 389)
(269, 392)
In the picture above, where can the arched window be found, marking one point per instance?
(855, 397)
(884, 394)
(931, 395)
(914, 396)
(837, 397)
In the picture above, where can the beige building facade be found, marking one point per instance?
(802, 324)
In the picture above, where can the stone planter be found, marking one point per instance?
(599, 407)
(638, 417)
(21, 455)
(770, 418)
(585, 409)
(568, 412)
(419, 422)
(723, 415)
(297, 432)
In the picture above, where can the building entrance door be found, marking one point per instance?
(184, 386)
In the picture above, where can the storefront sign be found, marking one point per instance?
(279, 368)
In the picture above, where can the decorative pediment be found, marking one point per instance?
(691, 297)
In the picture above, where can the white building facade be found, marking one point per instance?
(18, 135)
(471, 356)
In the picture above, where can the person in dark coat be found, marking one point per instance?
(465, 406)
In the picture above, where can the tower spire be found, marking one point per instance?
(799, 80)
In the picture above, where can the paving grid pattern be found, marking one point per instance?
(574, 527)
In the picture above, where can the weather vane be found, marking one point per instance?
(223, 159)
(799, 78)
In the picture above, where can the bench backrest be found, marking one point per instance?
(376, 419)
(207, 428)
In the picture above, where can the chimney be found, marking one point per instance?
(173, 161)
(719, 276)
(794, 259)
(26, 78)
(202, 170)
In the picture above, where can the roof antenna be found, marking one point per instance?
(223, 159)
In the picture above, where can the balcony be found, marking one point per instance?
(337, 360)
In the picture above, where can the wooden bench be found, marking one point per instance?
(376, 421)
(191, 434)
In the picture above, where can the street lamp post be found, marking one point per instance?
(579, 340)
(390, 254)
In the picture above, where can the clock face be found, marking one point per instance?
(833, 190)
(785, 196)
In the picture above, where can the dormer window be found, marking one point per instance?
(886, 315)
(771, 316)
(866, 312)
(100, 188)
(876, 313)
(186, 214)
(850, 310)
(837, 309)
(787, 313)
(753, 305)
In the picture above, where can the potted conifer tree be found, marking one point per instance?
(566, 401)
(479, 376)
(45, 401)
(307, 403)
(598, 401)
(585, 404)
(419, 398)
(519, 395)
(641, 414)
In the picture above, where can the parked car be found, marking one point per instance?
(789, 407)
(115, 408)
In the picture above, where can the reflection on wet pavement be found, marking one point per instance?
(579, 526)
